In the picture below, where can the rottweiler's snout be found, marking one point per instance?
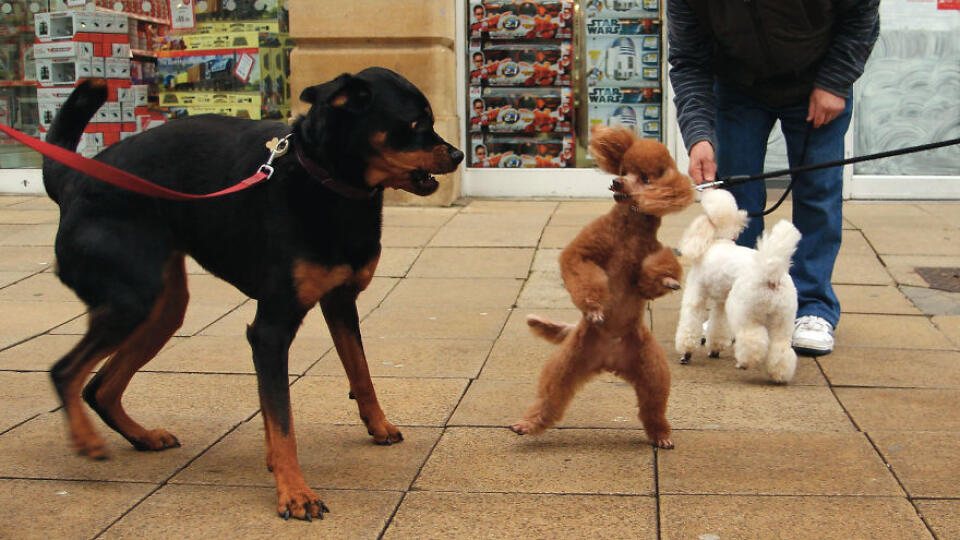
(456, 156)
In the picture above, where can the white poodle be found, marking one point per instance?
(749, 293)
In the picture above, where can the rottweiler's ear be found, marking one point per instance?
(607, 146)
(345, 92)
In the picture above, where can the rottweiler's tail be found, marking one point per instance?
(554, 332)
(68, 126)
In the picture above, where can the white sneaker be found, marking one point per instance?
(812, 336)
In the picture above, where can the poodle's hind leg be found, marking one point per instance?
(692, 314)
(718, 337)
(563, 374)
(751, 345)
(650, 377)
(782, 359)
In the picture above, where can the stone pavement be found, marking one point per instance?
(864, 443)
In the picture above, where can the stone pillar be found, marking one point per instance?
(412, 37)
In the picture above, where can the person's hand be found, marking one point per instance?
(703, 164)
(824, 107)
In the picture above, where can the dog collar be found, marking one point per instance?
(321, 175)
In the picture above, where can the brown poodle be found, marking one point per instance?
(611, 269)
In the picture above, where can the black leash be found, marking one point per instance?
(744, 178)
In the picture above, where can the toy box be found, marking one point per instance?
(641, 9)
(526, 110)
(221, 71)
(623, 52)
(638, 109)
(519, 151)
(520, 64)
(67, 24)
(521, 19)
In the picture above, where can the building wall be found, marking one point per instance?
(415, 38)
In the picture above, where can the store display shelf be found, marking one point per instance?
(138, 16)
(17, 84)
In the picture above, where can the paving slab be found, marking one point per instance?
(950, 326)
(703, 369)
(28, 217)
(34, 318)
(495, 206)
(188, 512)
(412, 357)
(491, 234)
(232, 354)
(424, 514)
(25, 395)
(855, 243)
(558, 236)
(853, 269)
(406, 402)
(436, 322)
(871, 215)
(42, 287)
(473, 263)
(874, 299)
(544, 290)
(331, 457)
(943, 516)
(911, 409)
(691, 406)
(37, 354)
(59, 509)
(26, 259)
(404, 216)
(396, 261)
(907, 368)
(8, 278)
(925, 462)
(767, 518)
(902, 267)
(407, 237)
(559, 461)
(198, 316)
(461, 292)
(889, 331)
(775, 463)
(28, 235)
(915, 240)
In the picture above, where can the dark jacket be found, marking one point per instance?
(775, 51)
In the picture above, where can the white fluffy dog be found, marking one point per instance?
(750, 296)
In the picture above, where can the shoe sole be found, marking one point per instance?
(804, 351)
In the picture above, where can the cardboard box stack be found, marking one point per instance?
(521, 94)
(76, 45)
(228, 66)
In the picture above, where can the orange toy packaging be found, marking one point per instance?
(521, 19)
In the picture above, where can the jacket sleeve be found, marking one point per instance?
(691, 74)
(858, 25)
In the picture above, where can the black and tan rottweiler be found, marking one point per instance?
(308, 235)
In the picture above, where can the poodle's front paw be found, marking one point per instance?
(594, 316)
(670, 283)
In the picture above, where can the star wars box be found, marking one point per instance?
(494, 150)
(526, 110)
(640, 9)
(520, 64)
(623, 52)
(637, 109)
(521, 19)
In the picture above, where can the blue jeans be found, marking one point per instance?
(742, 128)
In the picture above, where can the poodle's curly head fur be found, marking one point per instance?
(647, 177)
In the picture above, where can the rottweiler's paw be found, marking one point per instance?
(91, 446)
(156, 440)
(385, 434)
(301, 503)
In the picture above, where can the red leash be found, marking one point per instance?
(125, 180)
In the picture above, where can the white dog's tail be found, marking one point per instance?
(720, 220)
(774, 250)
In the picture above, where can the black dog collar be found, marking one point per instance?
(340, 188)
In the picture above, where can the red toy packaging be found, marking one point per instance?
(528, 110)
(521, 19)
(518, 151)
(520, 64)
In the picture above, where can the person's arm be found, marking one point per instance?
(690, 57)
(857, 27)
(691, 73)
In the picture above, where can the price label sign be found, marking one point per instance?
(181, 15)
